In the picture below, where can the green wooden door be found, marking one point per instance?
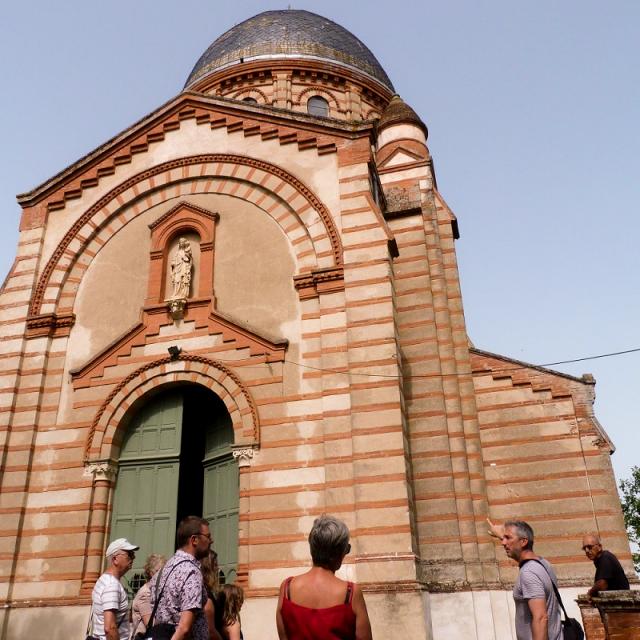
(146, 492)
(150, 490)
(220, 497)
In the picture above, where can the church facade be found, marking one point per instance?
(247, 306)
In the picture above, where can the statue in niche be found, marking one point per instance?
(181, 267)
(181, 270)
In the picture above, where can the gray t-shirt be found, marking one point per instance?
(534, 583)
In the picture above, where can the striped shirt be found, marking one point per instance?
(109, 594)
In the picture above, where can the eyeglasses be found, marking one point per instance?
(204, 535)
(131, 554)
(588, 547)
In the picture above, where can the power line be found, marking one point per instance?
(446, 375)
(601, 355)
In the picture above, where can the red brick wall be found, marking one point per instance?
(591, 621)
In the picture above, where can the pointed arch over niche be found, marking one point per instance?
(184, 219)
(106, 429)
(294, 207)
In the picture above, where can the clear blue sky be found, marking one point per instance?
(533, 115)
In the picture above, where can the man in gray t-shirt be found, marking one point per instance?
(537, 608)
(534, 583)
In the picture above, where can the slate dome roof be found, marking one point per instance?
(288, 33)
(399, 112)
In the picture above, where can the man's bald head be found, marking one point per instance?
(592, 546)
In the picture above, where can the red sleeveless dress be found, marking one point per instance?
(333, 623)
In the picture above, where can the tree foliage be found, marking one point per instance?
(630, 490)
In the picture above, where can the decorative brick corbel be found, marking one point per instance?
(311, 285)
(50, 324)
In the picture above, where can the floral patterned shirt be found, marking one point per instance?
(182, 589)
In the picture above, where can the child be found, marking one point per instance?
(213, 606)
(233, 599)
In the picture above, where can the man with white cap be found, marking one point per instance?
(110, 606)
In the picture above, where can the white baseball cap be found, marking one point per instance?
(120, 544)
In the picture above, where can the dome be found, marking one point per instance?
(288, 33)
(399, 112)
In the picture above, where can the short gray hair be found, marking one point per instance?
(523, 530)
(328, 540)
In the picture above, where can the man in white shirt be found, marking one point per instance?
(110, 606)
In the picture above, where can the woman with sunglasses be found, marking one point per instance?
(317, 605)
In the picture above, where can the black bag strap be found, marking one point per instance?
(553, 584)
(157, 600)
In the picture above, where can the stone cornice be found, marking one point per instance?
(113, 347)
(310, 285)
(49, 324)
(514, 365)
(272, 348)
(308, 65)
(266, 121)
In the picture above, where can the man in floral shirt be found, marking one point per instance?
(180, 586)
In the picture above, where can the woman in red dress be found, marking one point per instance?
(316, 605)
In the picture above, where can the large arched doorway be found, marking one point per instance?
(175, 461)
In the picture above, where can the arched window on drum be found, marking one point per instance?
(318, 106)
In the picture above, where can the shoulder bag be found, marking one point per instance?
(571, 629)
(162, 630)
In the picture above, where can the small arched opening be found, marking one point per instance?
(318, 106)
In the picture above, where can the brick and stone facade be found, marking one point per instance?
(326, 314)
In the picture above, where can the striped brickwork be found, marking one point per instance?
(362, 398)
(328, 436)
(23, 385)
(380, 478)
(547, 461)
(454, 439)
(287, 86)
(445, 453)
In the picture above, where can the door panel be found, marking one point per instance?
(156, 430)
(144, 509)
(146, 492)
(220, 508)
(221, 483)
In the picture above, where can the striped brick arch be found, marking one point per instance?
(187, 369)
(303, 218)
